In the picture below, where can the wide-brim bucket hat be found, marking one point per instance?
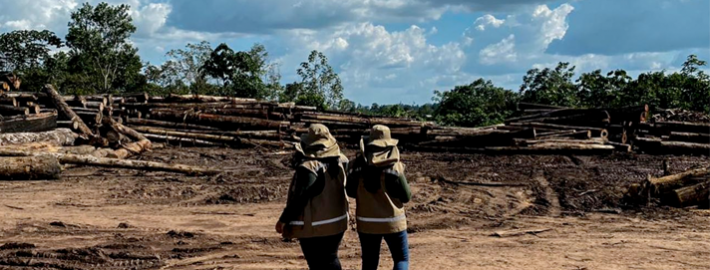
(318, 143)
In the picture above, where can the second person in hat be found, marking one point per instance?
(376, 180)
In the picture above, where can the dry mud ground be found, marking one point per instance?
(123, 219)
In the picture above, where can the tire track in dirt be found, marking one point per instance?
(553, 208)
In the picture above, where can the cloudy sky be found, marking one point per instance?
(391, 51)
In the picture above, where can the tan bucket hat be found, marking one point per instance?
(318, 143)
(380, 136)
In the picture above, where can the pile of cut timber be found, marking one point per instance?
(33, 139)
(672, 137)
(128, 123)
(689, 188)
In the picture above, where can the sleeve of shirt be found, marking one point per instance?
(398, 187)
(352, 184)
(305, 179)
(355, 170)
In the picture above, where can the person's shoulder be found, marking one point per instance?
(312, 165)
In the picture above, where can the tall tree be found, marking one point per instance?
(182, 72)
(26, 49)
(596, 90)
(320, 85)
(550, 86)
(479, 103)
(100, 51)
(241, 73)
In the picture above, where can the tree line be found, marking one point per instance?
(96, 56)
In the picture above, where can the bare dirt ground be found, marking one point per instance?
(122, 219)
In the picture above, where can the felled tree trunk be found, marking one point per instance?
(41, 167)
(29, 123)
(664, 184)
(58, 137)
(689, 196)
(690, 137)
(168, 124)
(227, 122)
(12, 110)
(181, 141)
(114, 162)
(64, 109)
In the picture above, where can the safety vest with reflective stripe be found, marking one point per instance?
(377, 212)
(326, 213)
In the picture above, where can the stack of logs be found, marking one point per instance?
(194, 120)
(33, 147)
(540, 129)
(687, 189)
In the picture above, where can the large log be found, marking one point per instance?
(90, 117)
(168, 124)
(690, 137)
(64, 109)
(262, 134)
(41, 167)
(97, 98)
(73, 125)
(554, 148)
(685, 126)
(141, 144)
(621, 147)
(115, 163)
(204, 98)
(685, 148)
(6, 110)
(180, 140)
(563, 141)
(664, 184)
(689, 196)
(29, 123)
(262, 113)
(360, 119)
(596, 131)
(188, 135)
(97, 105)
(223, 121)
(5, 100)
(57, 137)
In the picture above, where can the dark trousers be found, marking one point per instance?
(398, 244)
(321, 253)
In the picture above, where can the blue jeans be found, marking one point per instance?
(321, 253)
(398, 244)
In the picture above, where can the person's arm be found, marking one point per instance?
(398, 187)
(305, 179)
(355, 171)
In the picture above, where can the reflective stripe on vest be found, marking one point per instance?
(318, 223)
(382, 220)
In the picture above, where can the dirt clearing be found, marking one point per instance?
(554, 212)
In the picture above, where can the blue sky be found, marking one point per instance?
(391, 51)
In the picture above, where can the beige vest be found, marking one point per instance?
(377, 213)
(325, 214)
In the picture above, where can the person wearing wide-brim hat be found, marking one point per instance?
(316, 210)
(376, 180)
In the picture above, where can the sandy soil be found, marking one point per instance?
(123, 219)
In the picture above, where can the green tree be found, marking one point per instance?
(320, 86)
(476, 104)
(26, 49)
(596, 90)
(100, 53)
(242, 73)
(550, 86)
(182, 72)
